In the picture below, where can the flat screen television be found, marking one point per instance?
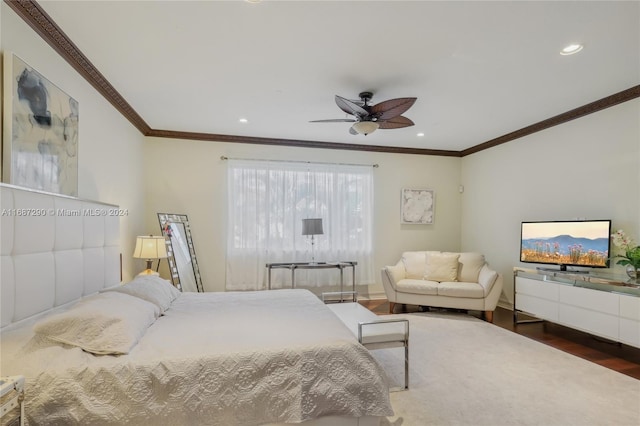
(581, 243)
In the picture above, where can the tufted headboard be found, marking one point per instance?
(54, 249)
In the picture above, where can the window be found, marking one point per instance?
(267, 201)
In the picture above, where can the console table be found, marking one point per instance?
(602, 304)
(315, 265)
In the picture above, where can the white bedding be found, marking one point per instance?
(212, 359)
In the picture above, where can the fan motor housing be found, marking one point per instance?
(366, 96)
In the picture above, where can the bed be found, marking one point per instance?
(235, 358)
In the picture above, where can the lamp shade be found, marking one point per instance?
(365, 127)
(312, 226)
(150, 247)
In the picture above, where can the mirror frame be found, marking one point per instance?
(165, 220)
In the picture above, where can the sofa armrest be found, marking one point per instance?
(487, 278)
(394, 273)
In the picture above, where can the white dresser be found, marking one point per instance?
(601, 304)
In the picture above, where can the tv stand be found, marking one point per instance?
(600, 303)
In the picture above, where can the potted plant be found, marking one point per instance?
(631, 253)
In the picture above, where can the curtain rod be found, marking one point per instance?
(222, 157)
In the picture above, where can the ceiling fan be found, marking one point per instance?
(369, 118)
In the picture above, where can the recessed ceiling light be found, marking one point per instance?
(243, 120)
(420, 134)
(571, 49)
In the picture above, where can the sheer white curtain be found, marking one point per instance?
(267, 201)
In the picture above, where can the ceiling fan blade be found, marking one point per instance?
(392, 108)
(352, 131)
(350, 107)
(335, 120)
(395, 123)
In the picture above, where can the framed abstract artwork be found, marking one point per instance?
(417, 206)
(40, 131)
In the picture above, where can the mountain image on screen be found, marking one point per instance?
(566, 249)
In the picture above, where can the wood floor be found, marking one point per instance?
(622, 358)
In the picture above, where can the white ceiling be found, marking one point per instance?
(479, 69)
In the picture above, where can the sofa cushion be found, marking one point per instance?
(461, 289)
(470, 265)
(417, 286)
(414, 263)
(441, 266)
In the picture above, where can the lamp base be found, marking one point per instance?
(149, 271)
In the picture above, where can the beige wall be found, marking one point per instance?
(110, 148)
(587, 168)
(189, 177)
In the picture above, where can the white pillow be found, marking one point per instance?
(151, 288)
(105, 324)
(414, 263)
(442, 267)
(470, 265)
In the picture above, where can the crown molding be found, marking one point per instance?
(298, 143)
(599, 105)
(31, 12)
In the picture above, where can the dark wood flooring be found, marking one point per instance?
(622, 358)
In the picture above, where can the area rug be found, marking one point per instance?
(464, 371)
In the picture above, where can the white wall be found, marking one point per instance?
(110, 149)
(188, 177)
(587, 168)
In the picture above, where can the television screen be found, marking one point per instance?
(566, 243)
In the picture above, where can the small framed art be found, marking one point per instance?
(417, 206)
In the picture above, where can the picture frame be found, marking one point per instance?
(181, 253)
(417, 206)
(40, 131)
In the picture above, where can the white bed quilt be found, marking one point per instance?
(213, 359)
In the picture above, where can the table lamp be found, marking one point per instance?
(312, 227)
(150, 247)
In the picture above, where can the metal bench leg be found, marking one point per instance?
(406, 366)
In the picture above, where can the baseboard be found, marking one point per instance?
(505, 304)
(378, 295)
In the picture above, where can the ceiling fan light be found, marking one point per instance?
(365, 127)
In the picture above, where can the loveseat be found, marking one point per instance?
(443, 279)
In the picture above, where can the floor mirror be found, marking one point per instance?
(181, 255)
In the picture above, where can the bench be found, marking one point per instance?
(371, 331)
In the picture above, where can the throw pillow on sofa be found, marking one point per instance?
(441, 267)
(470, 266)
(414, 263)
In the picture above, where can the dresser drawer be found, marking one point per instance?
(597, 323)
(536, 288)
(593, 300)
(630, 307)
